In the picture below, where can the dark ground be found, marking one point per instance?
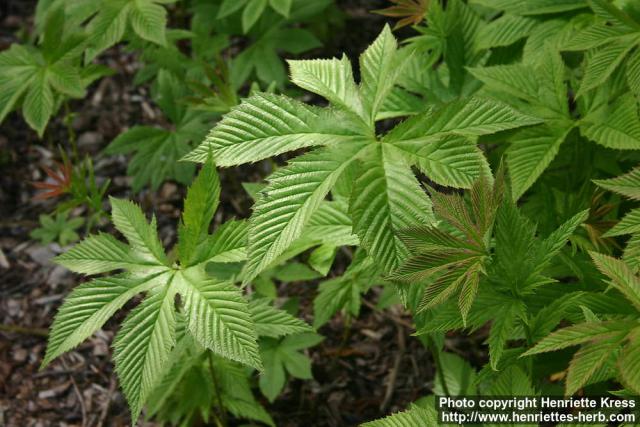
(363, 372)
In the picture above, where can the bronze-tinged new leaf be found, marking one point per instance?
(410, 12)
(448, 262)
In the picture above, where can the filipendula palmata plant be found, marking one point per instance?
(386, 196)
(216, 313)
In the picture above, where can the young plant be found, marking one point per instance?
(61, 229)
(216, 313)
(39, 78)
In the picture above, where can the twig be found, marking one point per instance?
(83, 409)
(107, 404)
(393, 374)
(15, 329)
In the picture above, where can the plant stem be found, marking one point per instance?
(222, 420)
(435, 353)
(40, 332)
(70, 132)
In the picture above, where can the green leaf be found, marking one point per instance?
(227, 244)
(99, 254)
(587, 361)
(413, 417)
(266, 125)
(228, 7)
(530, 154)
(504, 31)
(88, 307)
(628, 184)
(66, 79)
(630, 224)
(199, 207)
(517, 80)
(322, 258)
(512, 381)
(142, 236)
(620, 275)
(251, 13)
(603, 63)
(329, 78)
(149, 20)
(501, 331)
(386, 198)
(38, 103)
(633, 72)
(596, 35)
(218, 317)
(380, 67)
(18, 68)
(107, 27)
(614, 126)
(578, 334)
(344, 292)
(281, 6)
(470, 117)
(294, 193)
(533, 7)
(629, 365)
(453, 161)
(458, 375)
(284, 355)
(143, 345)
(272, 322)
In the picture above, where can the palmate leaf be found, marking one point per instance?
(37, 77)
(282, 356)
(450, 263)
(217, 314)
(107, 27)
(268, 125)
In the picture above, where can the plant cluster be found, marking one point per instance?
(483, 173)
